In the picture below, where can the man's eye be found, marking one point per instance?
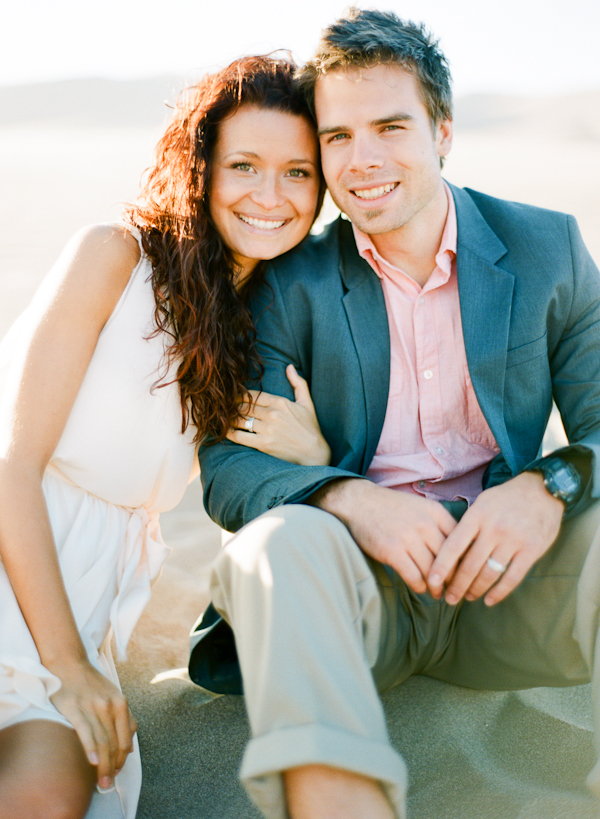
(338, 137)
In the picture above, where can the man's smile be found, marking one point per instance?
(375, 193)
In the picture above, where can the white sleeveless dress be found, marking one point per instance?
(121, 460)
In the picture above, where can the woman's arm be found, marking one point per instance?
(286, 429)
(72, 307)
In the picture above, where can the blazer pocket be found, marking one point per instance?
(526, 352)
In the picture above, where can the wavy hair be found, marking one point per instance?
(193, 272)
(366, 37)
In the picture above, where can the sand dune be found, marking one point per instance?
(70, 153)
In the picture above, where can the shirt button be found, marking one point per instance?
(422, 300)
(428, 374)
(439, 450)
(422, 484)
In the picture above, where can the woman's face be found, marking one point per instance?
(264, 183)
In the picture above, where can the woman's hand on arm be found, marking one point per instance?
(285, 429)
(78, 297)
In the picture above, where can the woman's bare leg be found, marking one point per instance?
(44, 773)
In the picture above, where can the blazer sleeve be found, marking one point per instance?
(573, 330)
(575, 365)
(241, 483)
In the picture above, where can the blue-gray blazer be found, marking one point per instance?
(530, 306)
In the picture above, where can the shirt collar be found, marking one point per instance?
(444, 257)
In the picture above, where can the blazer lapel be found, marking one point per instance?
(367, 317)
(486, 293)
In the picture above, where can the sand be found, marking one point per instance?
(69, 154)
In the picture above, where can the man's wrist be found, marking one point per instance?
(561, 479)
(339, 497)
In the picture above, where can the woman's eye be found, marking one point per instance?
(298, 173)
(242, 166)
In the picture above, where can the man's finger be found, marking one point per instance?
(422, 556)
(453, 548)
(488, 576)
(411, 574)
(445, 521)
(509, 581)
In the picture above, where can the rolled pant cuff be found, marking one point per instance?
(268, 756)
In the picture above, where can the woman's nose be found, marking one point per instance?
(268, 194)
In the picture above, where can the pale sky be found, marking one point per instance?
(507, 46)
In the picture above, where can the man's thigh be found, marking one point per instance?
(529, 639)
(318, 578)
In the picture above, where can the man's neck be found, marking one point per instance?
(413, 247)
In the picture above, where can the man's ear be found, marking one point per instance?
(443, 137)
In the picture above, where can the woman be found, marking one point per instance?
(135, 348)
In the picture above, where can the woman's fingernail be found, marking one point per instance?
(106, 782)
(93, 758)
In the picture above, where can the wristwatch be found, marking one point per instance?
(561, 479)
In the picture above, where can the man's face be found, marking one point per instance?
(380, 152)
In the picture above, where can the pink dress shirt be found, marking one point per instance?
(435, 440)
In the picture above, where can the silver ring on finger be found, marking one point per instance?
(496, 566)
(249, 424)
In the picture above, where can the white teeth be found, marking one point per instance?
(374, 193)
(261, 223)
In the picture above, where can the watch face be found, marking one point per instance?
(562, 480)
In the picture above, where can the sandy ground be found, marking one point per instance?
(470, 754)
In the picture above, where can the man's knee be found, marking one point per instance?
(282, 537)
(297, 551)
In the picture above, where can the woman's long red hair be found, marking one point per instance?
(193, 272)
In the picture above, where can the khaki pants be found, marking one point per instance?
(320, 628)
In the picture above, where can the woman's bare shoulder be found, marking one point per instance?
(91, 273)
(110, 246)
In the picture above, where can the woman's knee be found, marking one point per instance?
(43, 772)
(32, 799)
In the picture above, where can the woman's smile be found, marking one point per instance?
(264, 183)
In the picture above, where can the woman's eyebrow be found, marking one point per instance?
(249, 154)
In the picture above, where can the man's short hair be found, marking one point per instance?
(364, 38)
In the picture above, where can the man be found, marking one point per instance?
(434, 328)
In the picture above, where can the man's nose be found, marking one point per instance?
(365, 153)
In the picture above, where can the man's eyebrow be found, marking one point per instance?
(335, 129)
(399, 117)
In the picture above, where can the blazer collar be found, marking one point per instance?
(486, 294)
(474, 233)
(366, 313)
(354, 270)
